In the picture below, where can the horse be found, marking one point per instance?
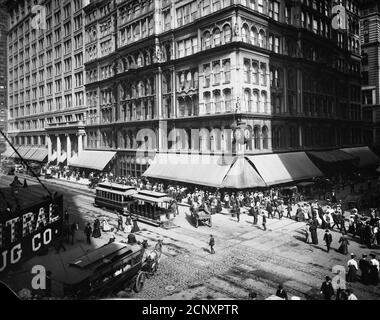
(153, 258)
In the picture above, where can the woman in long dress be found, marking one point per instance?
(352, 269)
(96, 233)
(313, 231)
(344, 244)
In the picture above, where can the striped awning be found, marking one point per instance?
(96, 160)
(39, 154)
(8, 153)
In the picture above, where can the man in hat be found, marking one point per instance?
(327, 239)
(120, 226)
(364, 267)
(289, 210)
(88, 233)
(264, 222)
(281, 293)
(327, 289)
(352, 269)
(211, 244)
(269, 210)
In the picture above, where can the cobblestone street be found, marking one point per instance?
(247, 258)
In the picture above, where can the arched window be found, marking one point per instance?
(195, 80)
(227, 33)
(244, 32)
(207, 40)
(227, 70)
(255, 72)
(216, 71)
(263, 101)
(227, 99)
(247, 100)
(262, 43)
(256, 137)
(207, 98)
(141, 89)
(188, 80)
(181, 106)
(247, 71)
(254, 36)
(189, 106)
(217, 101)
(264, 132)
(216, 35)
(255, 101)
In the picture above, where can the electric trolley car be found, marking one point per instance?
(154, 208)
(114, 196)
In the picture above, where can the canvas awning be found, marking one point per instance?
(242, 175)
(23, 150)
(366, 156)
(8, 153)
(39, 154)
(208, 170)
(333, 156)
(284, 167)
(30, 153)
(96, 160)
(199, 169)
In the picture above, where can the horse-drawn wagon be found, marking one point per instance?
(200, 215)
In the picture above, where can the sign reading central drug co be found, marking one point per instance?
(25, 233)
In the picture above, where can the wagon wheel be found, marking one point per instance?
(140, 279)
(196, 223)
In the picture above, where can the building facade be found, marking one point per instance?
(178, 76)
(46, 78)
(3, 73)
(136, 77)
(370, 37)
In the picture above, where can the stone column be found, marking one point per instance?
(80, 143)
(68, 148)
(49, 148)
(59, 149)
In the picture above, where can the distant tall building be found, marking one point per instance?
(46, 85)
(3, 72)
(370, 45)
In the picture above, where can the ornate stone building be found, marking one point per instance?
(199, 67)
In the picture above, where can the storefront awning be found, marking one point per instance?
(206, 170)
(242, 175)
(30, 152)
(284, 167)
(367, 157)
(333, 156)
(96, 160)
(39, 154)
(8, 153)
(23, 150)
